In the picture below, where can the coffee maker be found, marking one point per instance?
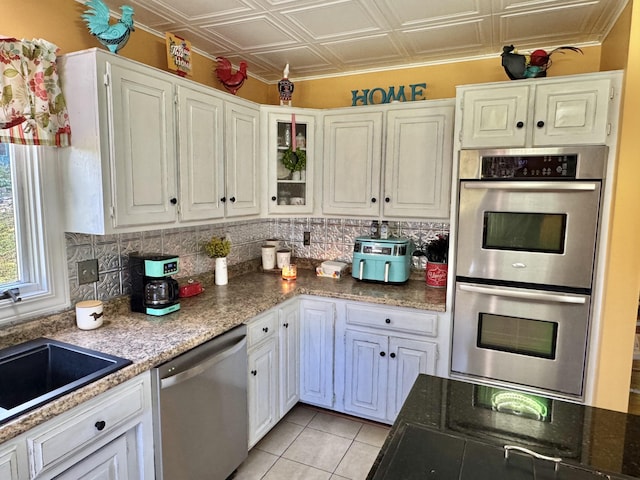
(153, 291)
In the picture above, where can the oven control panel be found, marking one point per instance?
(533, 167)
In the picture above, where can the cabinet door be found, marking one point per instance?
(200, 130)
(289, 350)
(418, 163)
(12, 467)
(262, 390)
(407, 358)
(495, 116)
(352, 162)
(366, 374)
(142, 144)
(316, 352)
(242, 136)
(572, 113)
(111, 462)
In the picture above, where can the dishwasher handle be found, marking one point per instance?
(201, 367)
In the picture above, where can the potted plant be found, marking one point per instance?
(437, 252)
(219, 248)
(294, 161)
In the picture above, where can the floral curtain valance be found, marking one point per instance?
(32, 107)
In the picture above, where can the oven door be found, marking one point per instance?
(532, 338)
(530, 232)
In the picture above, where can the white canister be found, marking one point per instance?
(283, 257)
(89, 314)
(273, 241)
(268, 257)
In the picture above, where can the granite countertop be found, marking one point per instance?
(456, 429)
(149, 341)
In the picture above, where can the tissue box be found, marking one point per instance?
(331, 269)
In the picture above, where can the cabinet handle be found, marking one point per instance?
(100, 424)
(382, 354)
(273, 199)
(223, 199)
(392, 355)
(265, 329)
(519, 124)
(540, 124)
(285, 325)
(233, 199)
(387, 199)
(254, 372)
(173, 201)
(387, 320)
(374, 200)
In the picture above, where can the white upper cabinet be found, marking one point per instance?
(201, 147)
(418, 162)
(352, 162)
(242, 167)
(542, 112)
(287, 191)
(148, 148)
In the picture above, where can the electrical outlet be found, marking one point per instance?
(87, 271)
(307, 239)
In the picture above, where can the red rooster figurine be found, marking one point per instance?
(232, 81)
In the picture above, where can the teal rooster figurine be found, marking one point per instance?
(115, 36)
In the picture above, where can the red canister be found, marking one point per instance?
(436, 274)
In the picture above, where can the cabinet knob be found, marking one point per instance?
(374, 200)
(285, 325)
(387, 320)
(392, 355)
(100, 424)
(387, 199)
(540, 124)
(254, 372)
(382, 354)
(233, 199)
(223, 199)
(273, 199)
(519, 124)
(173, 201)
(265, 329)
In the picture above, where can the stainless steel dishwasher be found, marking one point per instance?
(200, 410)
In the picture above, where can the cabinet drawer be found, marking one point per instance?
(396, 319)
(48, 446)
(261, 328)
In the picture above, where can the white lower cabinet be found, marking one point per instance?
(316, 352)
(273, 358)
(107, 437)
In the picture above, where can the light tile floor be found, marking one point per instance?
(315, 444)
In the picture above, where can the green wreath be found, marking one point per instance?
(294, 162)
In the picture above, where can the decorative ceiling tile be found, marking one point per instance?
(252, 33)
(351, 51)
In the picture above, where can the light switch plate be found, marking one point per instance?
(88, 271)
(307, 238)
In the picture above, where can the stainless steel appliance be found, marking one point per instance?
(200, 410)
(527, 234)
(153, 291)
(382, 260)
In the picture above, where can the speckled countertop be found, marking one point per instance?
(149, 341)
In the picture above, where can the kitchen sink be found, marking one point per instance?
(38, 371)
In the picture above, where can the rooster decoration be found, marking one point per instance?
(232, 81)
(529, 66)
(115, 36)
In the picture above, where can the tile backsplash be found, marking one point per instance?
(331, 239)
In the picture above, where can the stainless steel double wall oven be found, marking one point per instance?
(527, 238)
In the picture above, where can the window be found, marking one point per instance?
(32, 249)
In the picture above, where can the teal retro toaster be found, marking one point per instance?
(382, 260)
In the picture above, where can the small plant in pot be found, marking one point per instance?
(219, 248)
(437, 252)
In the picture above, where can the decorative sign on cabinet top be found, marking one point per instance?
(380, 95)
(178, 54)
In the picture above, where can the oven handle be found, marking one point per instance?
(533, 186)
(503, 292)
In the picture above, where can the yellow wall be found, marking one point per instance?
(623, 275)
(441, 79)
(59, 21)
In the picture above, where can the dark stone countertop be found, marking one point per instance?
(149, 341)
(445, 431)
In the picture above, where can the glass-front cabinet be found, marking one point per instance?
(290, 160)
